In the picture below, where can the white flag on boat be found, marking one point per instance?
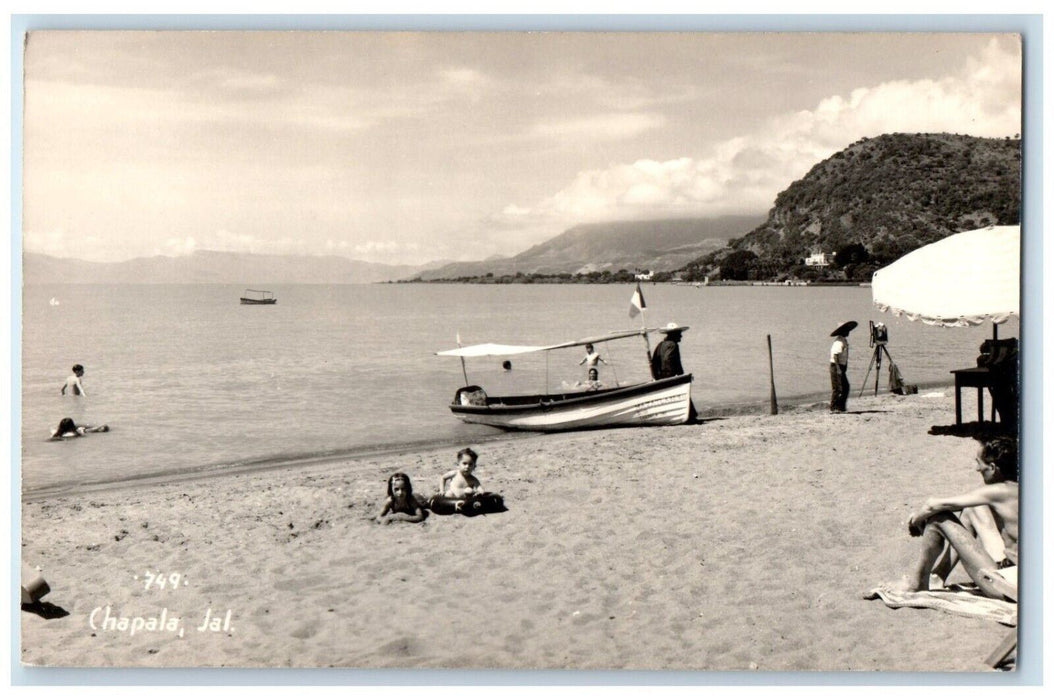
(636, 304)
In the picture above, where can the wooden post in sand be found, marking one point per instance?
(773, 407)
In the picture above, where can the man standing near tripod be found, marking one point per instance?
(840, 366)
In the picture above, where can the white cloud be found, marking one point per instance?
(107, 108)
(179, 246)
(229, 79)
(47, 242)
(618, 125)
(744, 174)
(461, 76)
(231, 242)
(384, 248)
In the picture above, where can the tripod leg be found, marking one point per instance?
(888, 356)
(866, 375)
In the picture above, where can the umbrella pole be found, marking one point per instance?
(464, 372)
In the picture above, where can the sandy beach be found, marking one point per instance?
(743, 543)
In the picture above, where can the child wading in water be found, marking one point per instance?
(73, 382)
(462, 483)
(401, 504)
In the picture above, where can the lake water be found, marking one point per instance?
(189, 379)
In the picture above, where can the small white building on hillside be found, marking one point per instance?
(819, 259)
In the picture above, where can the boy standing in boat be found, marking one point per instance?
(592, 359)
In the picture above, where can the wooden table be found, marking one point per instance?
(980, 377)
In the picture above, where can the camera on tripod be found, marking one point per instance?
(879, 334)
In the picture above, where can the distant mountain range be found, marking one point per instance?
(202, 267)
(630, 245)
(659, 245)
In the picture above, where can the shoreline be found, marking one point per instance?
(744, 543)
(804, 402)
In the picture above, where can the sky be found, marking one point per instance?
(406, 148)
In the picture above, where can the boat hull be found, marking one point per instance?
(659, 402)
(258, 302)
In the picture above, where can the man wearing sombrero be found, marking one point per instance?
(839, 366)
(666, 360)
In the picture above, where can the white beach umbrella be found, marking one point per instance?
(963, 280)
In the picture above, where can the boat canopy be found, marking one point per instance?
(487, 349)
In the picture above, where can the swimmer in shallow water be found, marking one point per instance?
(401, 505)
(462, 483)
(73, 382)
(68, 429)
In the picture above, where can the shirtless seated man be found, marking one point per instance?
(940, 524)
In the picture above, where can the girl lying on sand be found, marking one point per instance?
(68, 429)
(401, 505)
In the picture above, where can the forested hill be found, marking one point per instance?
(890, 194)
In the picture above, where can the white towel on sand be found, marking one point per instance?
(966, 600)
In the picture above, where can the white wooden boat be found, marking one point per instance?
(657, 402)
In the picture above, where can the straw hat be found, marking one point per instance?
(672, 327)
(844, 328)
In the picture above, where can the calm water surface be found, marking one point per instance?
(189, 379)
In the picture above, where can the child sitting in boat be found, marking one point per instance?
(401, 504)
(68, 429)
(462, 483)
(594, 381)
(591, 384)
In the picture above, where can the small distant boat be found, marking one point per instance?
(258, 296)
(657, 402)
(53, 301)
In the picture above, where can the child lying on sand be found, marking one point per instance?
(68, 429)
(401, 504)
